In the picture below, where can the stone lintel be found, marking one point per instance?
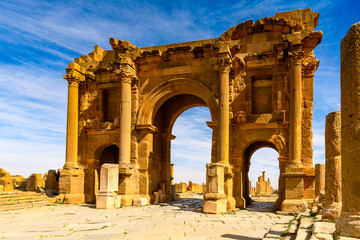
(212, 125)
(148, 127)
(102, 132)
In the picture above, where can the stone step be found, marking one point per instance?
(5, 198)
(23, 205)
(16, 194)
(22, 200)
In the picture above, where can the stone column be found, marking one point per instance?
(348, 224)
(319, 200)
(72, 126)
(223, 142)
(126, 187)
(332, 207)
(319, 178)
(225, 64)
(295, 107)
(294, 175)
(125, 122)
(71, 183)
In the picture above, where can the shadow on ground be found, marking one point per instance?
(234, 236)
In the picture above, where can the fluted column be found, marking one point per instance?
(295, 107)
(72, 126)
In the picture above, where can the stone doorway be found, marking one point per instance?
(109, 155)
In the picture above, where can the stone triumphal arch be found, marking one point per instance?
(257, 81)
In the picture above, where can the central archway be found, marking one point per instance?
(164, 121)
(164, 104)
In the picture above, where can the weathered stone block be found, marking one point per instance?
(6, 181)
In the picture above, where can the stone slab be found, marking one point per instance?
(323, 227)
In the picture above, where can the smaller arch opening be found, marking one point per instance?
(261, 175)
(109, 155)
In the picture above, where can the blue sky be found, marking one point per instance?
(39, 38)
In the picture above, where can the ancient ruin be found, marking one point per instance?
(262, 186)
(257, 81)
(332, 206)
(348, 224)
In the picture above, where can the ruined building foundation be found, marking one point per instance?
(257, 81)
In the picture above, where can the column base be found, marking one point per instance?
(70, 198)
(240, 202)
(71, 185)
(105, 200)
(348, 225)
(294, 205)
(278, 203)
(215, 206)
(127, 200)
(331, 212)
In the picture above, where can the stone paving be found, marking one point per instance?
(177, 220)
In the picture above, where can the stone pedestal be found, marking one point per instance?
(294, 192)
(333, 198)
(71, 185)
(215, 198)
(107, 197)
(348, 224)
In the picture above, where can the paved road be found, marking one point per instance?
(178, 220)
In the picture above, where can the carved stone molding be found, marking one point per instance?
(309, 66)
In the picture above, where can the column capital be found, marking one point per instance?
(127, 77)
(296, 54)
(225, 64)
(73, 82)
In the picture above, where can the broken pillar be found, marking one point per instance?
(348, 224)
(319, 180)
(51, 183)
(332, 207)
(6, 181)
